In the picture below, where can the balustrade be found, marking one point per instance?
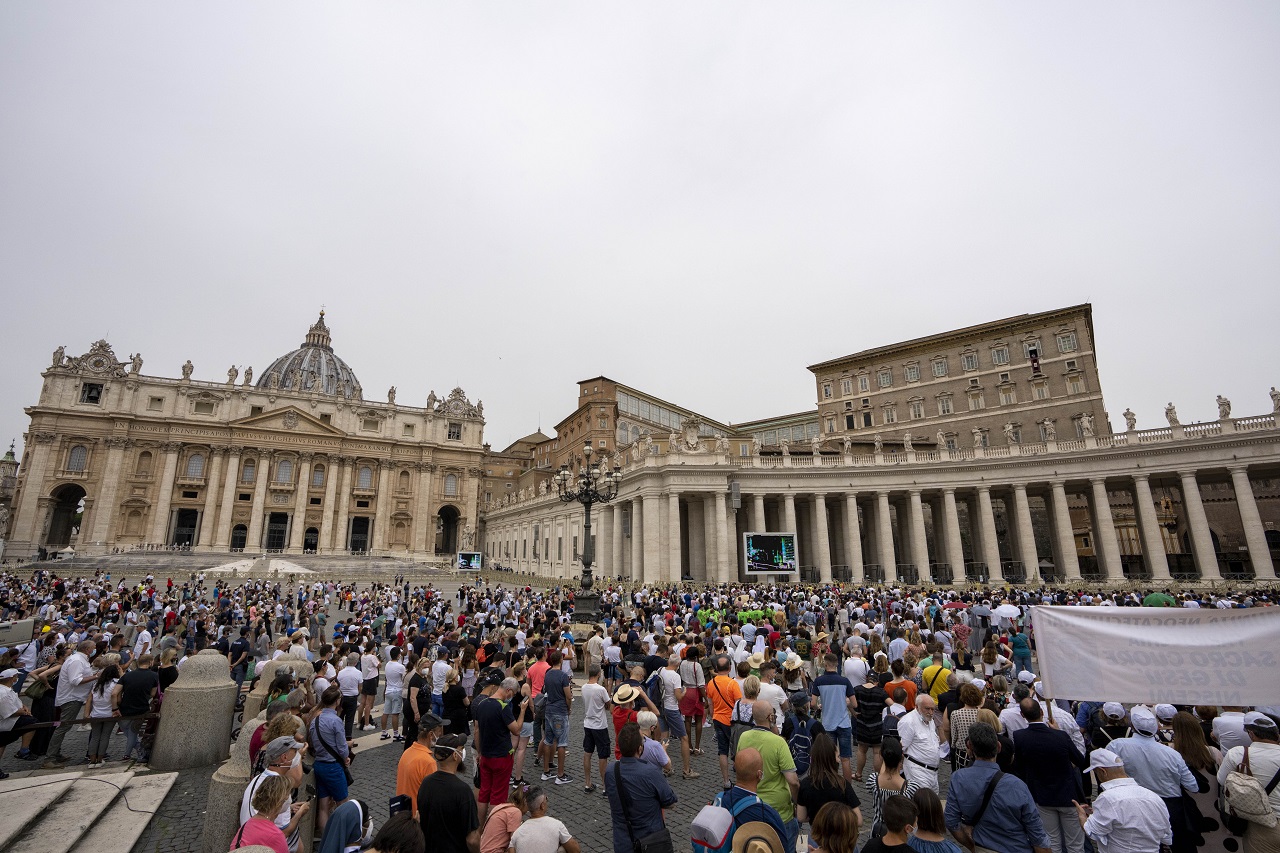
(874, 573)
(841, 574)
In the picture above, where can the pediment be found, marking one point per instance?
(288, 419)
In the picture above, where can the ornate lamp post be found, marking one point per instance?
(592, 484)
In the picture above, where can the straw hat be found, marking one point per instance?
(624, 694)
(757, 837)
(756, 660)
(792, 662)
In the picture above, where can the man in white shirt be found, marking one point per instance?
(918, 730)
(393, 695)
(1125, 817)
(74, 683)
(856, 668)
(439, 680)
(595, 726)
(142, 643)
(1264, 763)
(350, 680)
(1228, 728)
(672, 721)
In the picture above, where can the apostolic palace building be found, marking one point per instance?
(984, 453)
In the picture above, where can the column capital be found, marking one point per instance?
(915, 493)
(1098, 481)
(118, 441)
(45, 437)
(1184, 473)
(386, 464)
(983, 488)
(1238, 468)
(306, 456)
(171, 446)
(1058, 483)
(1140, 476)
(949, 490)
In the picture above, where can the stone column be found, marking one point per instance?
(164, 493)
(702, 538)
(423, 528)
(261, 473)
(1024, 532)
(1255, 535)
(673, 538)
(1149, 529)
(331, 474)
(637, 540)
(1062, 531)
(990, 545)
(619, 538)
(28, 526)
(1201, 538)
(203, 699)
(1105, 544)
(758, 522)
(726, 569)
(884, 537)
(111, 477)
(299, 525)
(919, 541)
(382, 512)
(789, 516)
(651, 553)
(231, 481)
(823, 536)
(343, 507)
(853, 538)
(955, 545)
(206, 540)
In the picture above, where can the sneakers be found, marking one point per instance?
(546, 777)
(26, 755)
(563, 780)
(386, 735)
(692, 774)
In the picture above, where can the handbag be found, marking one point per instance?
(654, 842)
(1245, 797)
(34, 688)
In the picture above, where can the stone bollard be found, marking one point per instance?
(195, 723)
(226, 790)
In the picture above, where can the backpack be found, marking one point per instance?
(655, 689)
(800, 741)
(889, 726)
(714, 825)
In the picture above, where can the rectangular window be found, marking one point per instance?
(244, 496)
(1071, 364)
(362, 504)
(371, 425)
(407, 431)
(1008, 396)
(559, 548)
(912, 372)
(1041, 390)
(831, 424)
(846, 386)
(1000, 355)
(190, 495)
(155, 404)
(1067, 342)
(744, 449)
(604, 423)
(826, 390)
(326, 418)
(864, 384)
(455, 432)
(1075, 385)
(884, 378)
(1004, 377)
(202, 407)
(91, 392)
(1017, 435)
(850, 422)
(866, 419)
(944, 405)
(254, 411)
(969, 361)
(951, 443)
(976, 402)
(891, 415)
(917, 410)
(940, 368)
(315, 501)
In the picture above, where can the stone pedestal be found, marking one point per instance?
(226, 790)
(195, 725)
(256, 700)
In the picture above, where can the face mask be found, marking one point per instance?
(297, 761)
(462, 755)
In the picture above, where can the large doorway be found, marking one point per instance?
(311, 539)
(277, 531)
(67, 513)
(184, 527)
(359, 540)
(447, 529)
(239, 535)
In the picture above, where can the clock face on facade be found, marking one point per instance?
(98, 362)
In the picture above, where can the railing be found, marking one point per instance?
(1014, 571)
(1150, 436)
(1235, 567)
(908, 574)
(996, 451)
(1202, 430)
(1051, 574)
(809, 574)
(873, 573)
(841, 574)
(1090, 570)
(1071, 446)
(1255, 422)
(941, 573)
(1181, 566)
(1133, 567)
(976, 572)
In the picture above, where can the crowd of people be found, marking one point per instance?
(906, 718)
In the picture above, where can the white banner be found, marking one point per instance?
(1160, 654)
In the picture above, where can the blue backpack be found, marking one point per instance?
(800, 741)
(655, 689)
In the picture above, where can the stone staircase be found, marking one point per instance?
(101, 811)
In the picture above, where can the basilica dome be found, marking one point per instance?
(312, 367)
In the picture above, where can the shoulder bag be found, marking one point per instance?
(964, 833)
(654, 842)
(1245, 797)
(346, 771)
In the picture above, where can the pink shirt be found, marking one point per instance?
(260, 830)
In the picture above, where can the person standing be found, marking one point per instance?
(723, 693)
(837, 702)
(349, 683)
(1049, 762)
(672, 721)
(558, 689)
(1264, 763)
(748, 767)
(418, 762)
(1010, 823)
(393, 695)
(1159, 769)
(921, 746)
(1125, 817)
(637, 793)
(595, 726)
(238, 658)
(75, 680)
(496, 722)
(779, 786)
(446, 808)
(331, 753)
(134, 693)
(542, 833)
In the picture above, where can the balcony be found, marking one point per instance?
(1090, 570)
(1235, 567)
(809, 574)
(1181, 566)
(1134, 568)
(277, 486)
(841, 574)
(190, 481)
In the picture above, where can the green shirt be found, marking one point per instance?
(773, 788)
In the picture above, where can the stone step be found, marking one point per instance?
(23, 800)
(61, 826)
(119, 829)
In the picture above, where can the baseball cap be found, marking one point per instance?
(979, 683)
(451, 742)
(1166, 712)
(429, 721)
(279, 746)
(9, 673)
(800, 698)
(1027, 677)
(1143, 721)
(1100, 758)
(1257, 719)
(1114, 710)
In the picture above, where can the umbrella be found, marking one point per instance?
(1008, 611)
(954, 605)
(1159, 599)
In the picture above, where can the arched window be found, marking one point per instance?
(78, 458)
(195, 466)
(143, 468)
(317, 475)
(248, 471)
(404, 481)
(450, 485)
(635, 433)
(284, 471)
(365, 480)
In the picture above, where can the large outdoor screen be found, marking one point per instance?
(469, 561)
(771, 553)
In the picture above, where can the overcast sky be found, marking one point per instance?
(696, 199)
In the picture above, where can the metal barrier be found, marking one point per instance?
(976, 572)
(908, 574)
(874, 573)
(1014, 571)
(941, 573)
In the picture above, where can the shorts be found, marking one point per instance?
(844, 739)
(611, 671)
(598, 740)
(673, 722)
(370, 687)
(526, 730)
(555, 729)
(392, 704)
(330, 780)
(722, 737)
(9, 736)
(495, 779)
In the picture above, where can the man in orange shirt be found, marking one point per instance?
(724, 693)
(417, 763)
